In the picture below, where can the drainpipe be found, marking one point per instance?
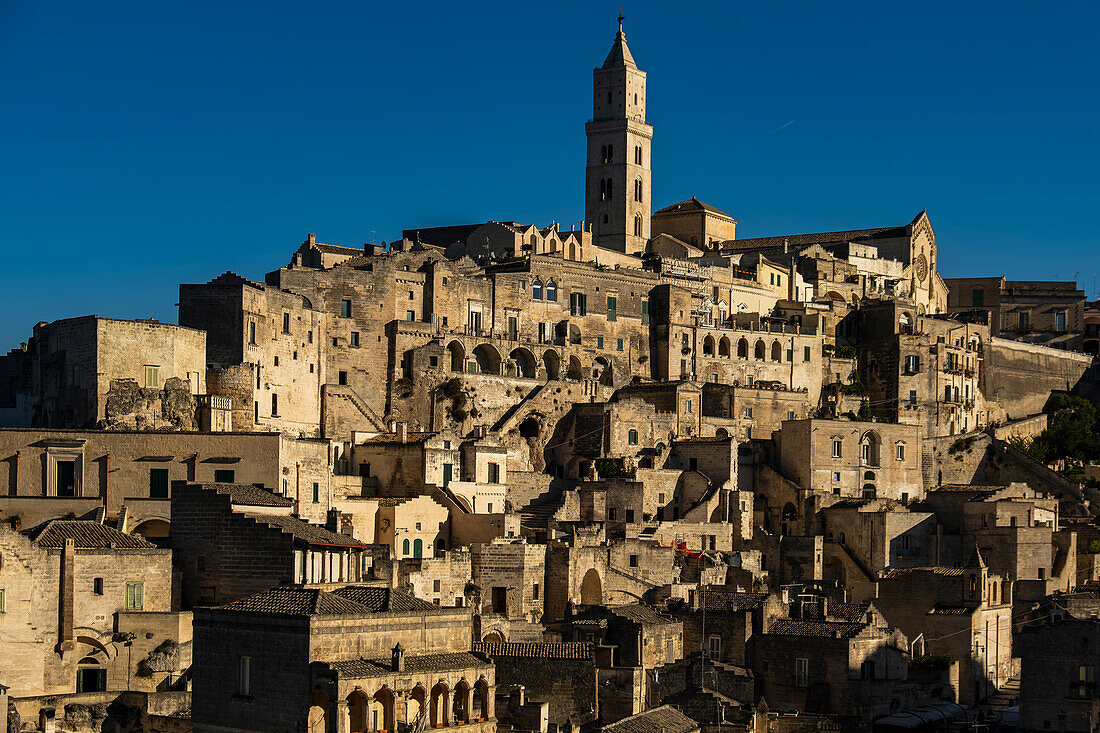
(15, 488)
(297, 486)
(195, 468)
(68, 578)
(106, 484)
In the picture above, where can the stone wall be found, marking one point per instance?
(1021, 376)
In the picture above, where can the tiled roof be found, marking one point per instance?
(692, 204)
(851, 612)
(726, 600)
(641, 613)
(298, 602)
(391, 438)
(940, 610)
(536, 649)
(304, 531)
(799, 240)
(338, 249)
(249, 495)
(85, 535)
(360, 668)
(933, 569)
(665, 719)
(820, 629)
(383, 600)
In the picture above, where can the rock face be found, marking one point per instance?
(132, 407)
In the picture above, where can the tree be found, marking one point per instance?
(1073, 431)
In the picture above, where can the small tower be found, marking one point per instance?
(617, 178)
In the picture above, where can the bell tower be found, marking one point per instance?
(617, 178)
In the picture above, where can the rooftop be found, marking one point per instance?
(249, 495)
(86, 535)
(692, 204)
(535, 649)
(414, 663)
(311, 534)
(346, 601)
(932, 569)
(819, 629)
(665, 719)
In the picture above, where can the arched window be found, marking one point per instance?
(638, 189)
(638, 154)
(536, 289)
(405, 547)
(609, 97)
(742, 349)
(632, 437)
(610, 153)
(551, 291)
(637, 225)
(90, 675)
(603, 189)
(606, 219)
(609, 188)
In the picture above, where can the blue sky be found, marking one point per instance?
(144, 144)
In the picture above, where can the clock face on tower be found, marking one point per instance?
(920, 267)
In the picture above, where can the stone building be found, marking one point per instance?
(352, 659)
(47, 474)
(81, 605)
(234, 540)
(82, 373)
(723, 622)
(963, 611)
(1058, 662)
(1048, 313)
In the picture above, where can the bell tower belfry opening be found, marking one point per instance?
(618, 178)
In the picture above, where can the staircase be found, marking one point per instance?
(504, 423)
(343, 391)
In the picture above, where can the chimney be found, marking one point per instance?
(398, 658)
(403, 431)
(824, 608)
(311, 238)
(516, 698)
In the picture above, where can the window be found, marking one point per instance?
(534, 591)
(66, 478)
(599, 342)
(632, 437)
(536, 289)
(158, 483)
(790, 414)
(618, 344)
(345, 308)
(274, 405)
(410, 316)
(3, 607)
(405, 547)
(802, 672)
(276, 361)
(630, 515)
(91, 676)
(316, 493)
(790, 354)
(836, 448)
(286, 323)
(135, 596)
(551, 292)
(252, 332)
(97, 586)
(633, 561)
(836, 475)
(1060, 321)
(714, 646)
(355, 338)
(912, 397)
(748, 413)
(867, 670)
(244, 675)
(645, 312)
(435, 586)
(901, 452)
(152, 376)
(309, 336)
(1084, 679)
(687, 407)
(578, 304)
(224, 476)
(637, 150)
(637, 189)
(977, 297)
(912, 364)
(342, 378)
(411, 295)
(611, 513)
(612, 308)
(494, 473)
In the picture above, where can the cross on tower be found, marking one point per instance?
(621, 16)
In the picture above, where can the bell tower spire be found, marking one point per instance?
(618, 179)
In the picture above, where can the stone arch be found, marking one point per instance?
(592, 589)
(415, 707)
(721, 433)
(440, 710)
(708, 345)
(458, 356)
(358, 712)
(479, 705)
(153, 529)
(724, 347)
(460, 712)
(834, 295)
(551, 362)
(317, 718)
(870, 448)
(488, 359)
(777, 351)
(91, 674)
(525, 364)
(602, 371)
(575, 372)
(381, 710)
(493, 637)
(742, 348)
(760, 351)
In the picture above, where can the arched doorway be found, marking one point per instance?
(551, 362)
(742, 348)
(480, 704)
(358, 708)
(91, 676)
(317, 720)
(724, 347)
(488, 359)
(601, 371)
(458, 356)
(777, 351)
(415, 707)
(591, 589)
(524, 362)
(759, 351)
(788, 516)
(418, 548)
(381, 711)
(869, 448)
(440, 710)
(708, 345)
(460, 713)
(574, 373)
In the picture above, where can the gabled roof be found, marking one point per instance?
(85, 535)
(310, 534)
(641, 614)
(383, 600)
(665, 719)
(847, 235)
(944, 572)
(249, 495)
(819, 629)
(718, 599)
(297, 602)
(692, 204)
(395, 438)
